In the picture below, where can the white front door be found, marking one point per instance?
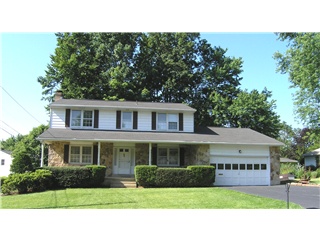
(124, 161)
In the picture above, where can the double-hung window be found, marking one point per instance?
(81, 154)
(127, 120)
(167, 122)
(168, 156)
(82, 119)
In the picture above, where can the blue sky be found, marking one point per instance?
(25, 56)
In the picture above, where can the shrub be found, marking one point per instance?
(311, 168)
(318, 172)
(27, 182)
(97, 175)
(202, 176)
(76, 177)
(288, 168)
(314, 174)
(145, 175)
(192, 176)
(173, 177)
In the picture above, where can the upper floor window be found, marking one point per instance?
(126, 120)
(167, 121)
(82, 118)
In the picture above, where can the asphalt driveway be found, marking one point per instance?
(306, 196)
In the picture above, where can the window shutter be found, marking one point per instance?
(154, 121)
(66, 153)
(95, 154)
(118, 124)
(96, 119)
(67, 118)
(154, 156)
(135, 120)
(181, 157)
(180, 121)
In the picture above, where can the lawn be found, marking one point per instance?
(142, 198)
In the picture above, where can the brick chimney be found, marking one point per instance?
(58, 95)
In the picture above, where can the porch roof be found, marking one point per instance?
(204, 135)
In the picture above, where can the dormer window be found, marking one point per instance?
(81, 118)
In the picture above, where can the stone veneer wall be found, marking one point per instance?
(274, 165)
(106, 157)
(142, 154)
(197, 155)
(56, 154)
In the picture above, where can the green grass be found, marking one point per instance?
(315, 181)
(142, 198)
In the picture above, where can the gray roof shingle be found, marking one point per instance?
(205, 135)
(122, 105)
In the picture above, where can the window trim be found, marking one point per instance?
(82, 119)
(81, 155)
(168, 156)
(167, 122)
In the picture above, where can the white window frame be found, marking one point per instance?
(82, 119)
(81, 154)
(168, 164)
(126, 124)
(167, 123)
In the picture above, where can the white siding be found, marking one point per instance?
(233, 150)
(188, 122)
(107, 120)
(58, 118)
(144, 121)
(5, 169)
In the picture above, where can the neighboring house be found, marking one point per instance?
(288, 160)
(312, 158)
(123, 134)
(5, 163)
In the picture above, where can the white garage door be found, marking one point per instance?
(232, 171)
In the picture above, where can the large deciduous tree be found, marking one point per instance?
(302, 62)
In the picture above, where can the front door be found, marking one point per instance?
(124, 161)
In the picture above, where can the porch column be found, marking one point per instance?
(150, 151)
(42, 153)
(99, 147)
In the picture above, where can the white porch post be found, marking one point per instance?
(42, 153)
(150, 151)
(99, 147)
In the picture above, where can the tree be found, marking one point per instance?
(27, 152)
(168, 67)
(252, 110)
(302, 62)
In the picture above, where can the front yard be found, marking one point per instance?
(141, 198)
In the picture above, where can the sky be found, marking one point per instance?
(25, 56)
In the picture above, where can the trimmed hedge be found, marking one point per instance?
(76, 177)
(145, 175)
(27, 182)
(192, 176)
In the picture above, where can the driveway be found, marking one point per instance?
(306, 196)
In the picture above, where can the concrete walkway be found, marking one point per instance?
(306, 196)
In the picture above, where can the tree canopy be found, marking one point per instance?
(162, 67)
(302, 62)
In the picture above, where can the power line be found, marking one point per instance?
(6, 131)
(21, 106)
(10, 127)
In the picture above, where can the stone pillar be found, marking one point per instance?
(106, 157)
(56, 154)
(142, 154)
(274, 165)
(197, 155)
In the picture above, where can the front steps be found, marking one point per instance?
(120, 181)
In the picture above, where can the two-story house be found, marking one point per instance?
(123, 134)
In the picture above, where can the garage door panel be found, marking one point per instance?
(241, 170)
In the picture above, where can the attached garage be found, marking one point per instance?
(240, 164)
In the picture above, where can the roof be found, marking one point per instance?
(315, 152)
(7, 152)
(122, 104)
(287, 160)
(204, 135)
